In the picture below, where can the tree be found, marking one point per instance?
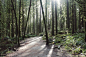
(56, 15)
(46, 11)
(0, 18)
(23, 19)
(15, 18)
(75, 19)
(19, 16)
(36, 18)
(40, 21)
(52, 17)
(72, 16)
(33, 19)
(68, 19)
(47, 42)
(27, 18)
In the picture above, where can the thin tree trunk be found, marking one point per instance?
(82, 22)
(68, 19)
(12, 24)
(23, 19)
(52, 17)
(19, 16)
(85, 20)
(33, 19)
(16, 22)
(79, 21)
(56, 15)
(46, 11)
(47, 42)
(0, 18)
(36, 19)
(75, 17)
(27, 17)
(30, 23)
(40, 20)
(72, 17)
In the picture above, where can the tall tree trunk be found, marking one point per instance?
(27, 18)
(56, 15)
(33, 19)
(79, 21)
(36, 19)
(23, 19)
(30, 23)
(46, 11)
(68, 19)
(85, 19)
(52, 17)
(12, 24)
(47, 42)
(8, 17)
(0, 18)
(19, 16)
(40, 21)
(16, 22)
(73, 17)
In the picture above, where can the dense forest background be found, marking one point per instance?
(20, 19)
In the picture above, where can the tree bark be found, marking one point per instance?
(27, 18)
(16, 22)
(47, 42)
(73, 17)
(19, 16)
(52, 17)
(56, 16)
(40, 20)
(68, 19)
(33, 19)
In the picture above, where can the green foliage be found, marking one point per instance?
(8, 52)
(29, 35)
(40, 34)
(74, 42)
(68, 48)
(77, 50)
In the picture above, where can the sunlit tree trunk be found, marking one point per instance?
(23, 19)
(27, 18)
(30, 23)
(36, 19)
(46, 11)
(33, 19)
(40, 21)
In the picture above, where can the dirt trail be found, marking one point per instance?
(36, 47)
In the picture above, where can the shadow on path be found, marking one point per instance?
(34, 47)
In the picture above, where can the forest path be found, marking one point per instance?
(36, 47)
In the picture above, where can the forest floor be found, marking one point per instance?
(36, 47)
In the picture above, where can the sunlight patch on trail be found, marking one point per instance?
(50, 52)
(31, 43)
